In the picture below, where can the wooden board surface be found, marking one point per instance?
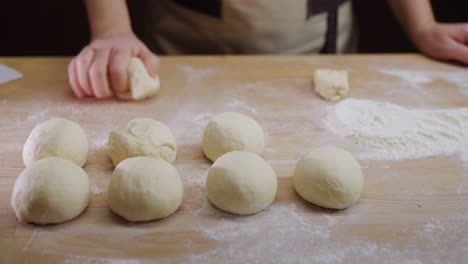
(411, 211)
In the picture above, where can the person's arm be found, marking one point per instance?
(437, 40)
(107, 17)
(101, 67)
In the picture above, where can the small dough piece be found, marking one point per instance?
(56, 137)
(241, 182)
(142, 137)
(231, 131)
(332, 85)
(140, 83)
(329, 177)
(50, 191)
(144, 189)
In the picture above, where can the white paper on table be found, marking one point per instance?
(8, 74)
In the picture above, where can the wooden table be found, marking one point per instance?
(412, 211)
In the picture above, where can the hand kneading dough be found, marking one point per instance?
(231, 131)
(50, 191)
(329, 177)
(57, 137)
(144, 188)
(142, 137)
(141, 84)
(331, 84)
(241, 182)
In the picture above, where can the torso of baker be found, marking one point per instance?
(250, 26)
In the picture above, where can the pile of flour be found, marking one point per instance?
(391, 132)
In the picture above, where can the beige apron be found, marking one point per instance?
(245, 27)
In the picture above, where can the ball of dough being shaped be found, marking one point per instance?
(232, 131)
(141, 84)
(241, 182)
(329, 177)
(56, 137)
(142, 137)
(145, 188)
(50, 191)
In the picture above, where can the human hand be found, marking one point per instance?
(101, 67)
(443, 41)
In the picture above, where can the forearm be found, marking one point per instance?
(414, 15)
(107, 17)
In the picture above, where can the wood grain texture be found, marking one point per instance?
(410, 211)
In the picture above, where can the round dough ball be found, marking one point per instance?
(329, 177)
(56, 137)
(142, 137)
(50, 191)
(241, 182)
(145, 188)
(231, 131)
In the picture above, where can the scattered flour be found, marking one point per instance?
(202, 119)
(198, 203)
(96, 189)
(440, 232)
(241, 233)
(460, 189)
(314, 241)
(289, 232)
(39, 116)
(239, 105)
(12, 148)
(94, 260)
(232, 228)
(239, 237)
(195, 75)
(391, 132)
(463, 155)
(271, 150)
(460, 79)
(99, 141)
(187, 120)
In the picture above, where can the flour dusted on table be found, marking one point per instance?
(419, 78)
(392, 132)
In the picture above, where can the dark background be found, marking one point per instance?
(60, 27)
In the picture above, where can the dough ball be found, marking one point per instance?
(50, 191)
(329, 177)
(145, 188)
(231, 131)
(142, 137)
(56, 137)
(140, 83)
(241, 182)
(331, 84)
